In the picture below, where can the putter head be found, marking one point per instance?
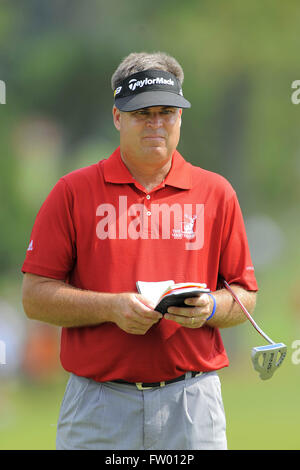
(266, 359)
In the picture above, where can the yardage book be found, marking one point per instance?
(166, 293)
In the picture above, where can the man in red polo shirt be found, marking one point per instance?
(139, 380)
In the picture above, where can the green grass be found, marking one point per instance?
(29, 414)
(262, 414)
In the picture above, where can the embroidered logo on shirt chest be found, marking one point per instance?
(187, 228)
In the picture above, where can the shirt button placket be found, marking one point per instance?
(148, 197)
(148, 214)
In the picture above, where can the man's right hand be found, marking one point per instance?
(134, 314)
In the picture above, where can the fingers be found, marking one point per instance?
(145, 313)
(145, 308)
(137, 314)
(195, 315)
(202, 301)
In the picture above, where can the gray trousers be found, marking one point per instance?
(185, 415)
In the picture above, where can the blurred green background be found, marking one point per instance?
(240, 59)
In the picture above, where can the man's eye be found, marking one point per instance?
(168, 111)
(141, 113)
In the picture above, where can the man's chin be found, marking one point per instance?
(156, 148)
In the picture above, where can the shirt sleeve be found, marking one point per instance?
(52, 246)
(235, 262)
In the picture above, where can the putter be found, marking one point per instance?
(265, 359)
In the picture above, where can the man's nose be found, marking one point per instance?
(154, 120)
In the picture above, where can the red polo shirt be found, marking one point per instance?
(101, 231)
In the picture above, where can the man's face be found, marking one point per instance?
(148, 134)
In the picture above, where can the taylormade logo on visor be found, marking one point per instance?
(133, 84)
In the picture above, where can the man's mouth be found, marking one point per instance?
(154, 137)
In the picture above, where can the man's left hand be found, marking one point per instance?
(195, 314)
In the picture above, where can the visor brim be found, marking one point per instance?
(151, 98)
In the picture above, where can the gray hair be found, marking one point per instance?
(140, 61)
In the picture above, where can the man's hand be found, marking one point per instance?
(134, 314)
(195, 314)
(228, 313)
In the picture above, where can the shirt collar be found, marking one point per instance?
(179, 176)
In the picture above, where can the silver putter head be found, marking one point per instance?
(266, 359)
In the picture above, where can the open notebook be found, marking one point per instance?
(166, 293)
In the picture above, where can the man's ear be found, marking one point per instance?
(116, 117)
(180, 115)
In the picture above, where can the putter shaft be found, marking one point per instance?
(258, 329)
